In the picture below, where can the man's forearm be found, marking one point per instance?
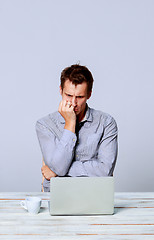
(63, 154)
(57, 152)
(91, 168)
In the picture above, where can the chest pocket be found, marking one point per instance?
(90, 147)
(93, 139)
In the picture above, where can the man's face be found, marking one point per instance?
(77, 95)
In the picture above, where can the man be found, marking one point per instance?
(77, 140)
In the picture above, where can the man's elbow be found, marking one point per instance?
(61, 172)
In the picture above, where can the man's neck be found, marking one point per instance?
(80, 117)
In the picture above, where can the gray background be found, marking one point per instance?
(115, 40)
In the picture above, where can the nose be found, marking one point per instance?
(74, 101)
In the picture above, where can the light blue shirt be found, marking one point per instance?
(91, 151)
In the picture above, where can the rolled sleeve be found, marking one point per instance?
(68, 139)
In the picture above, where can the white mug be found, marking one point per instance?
(32, 204)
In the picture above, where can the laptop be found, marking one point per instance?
(81, 195)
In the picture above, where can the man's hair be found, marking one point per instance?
(77, 74)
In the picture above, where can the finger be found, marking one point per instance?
(69, 104)
(46, 176)
(72, 108)
(43, 167)
(65, 103)
(60, 106)
(43, 163)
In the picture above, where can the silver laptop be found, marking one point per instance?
(81, 195)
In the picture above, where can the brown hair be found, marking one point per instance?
(77, 74)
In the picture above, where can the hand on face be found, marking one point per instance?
(66, 109)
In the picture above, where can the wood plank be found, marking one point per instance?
(133, 219)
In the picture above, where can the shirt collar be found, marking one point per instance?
(88, 116)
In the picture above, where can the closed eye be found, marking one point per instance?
(68, 95)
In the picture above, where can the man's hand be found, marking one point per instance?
(47, 172)
(67, 111)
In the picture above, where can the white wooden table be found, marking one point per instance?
(133, 219)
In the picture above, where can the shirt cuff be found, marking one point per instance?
(77, 169)
(68, 138)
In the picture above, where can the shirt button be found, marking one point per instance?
(77, 156)
(73, 139)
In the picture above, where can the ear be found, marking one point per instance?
(89, 95)
(60, 89)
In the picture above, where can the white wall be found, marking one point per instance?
(115, 40)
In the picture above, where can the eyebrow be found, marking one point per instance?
(72, 95)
